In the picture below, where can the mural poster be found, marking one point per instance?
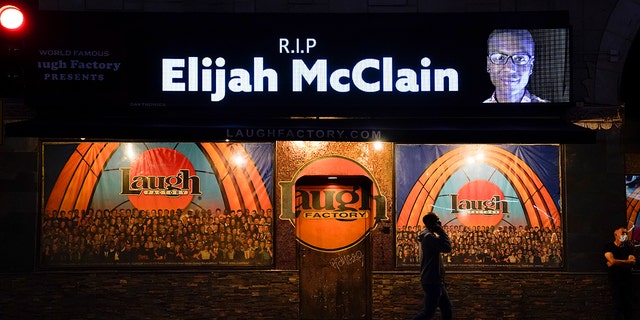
(633, 206)
(156, 204)
(500, 204)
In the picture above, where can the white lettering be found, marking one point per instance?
(368, 75)
(300, 70)
(407, 81)
(358, 79)
(335, 82)
(284, 44)
(240, 80)
(169, 74)
(311, 43)
(259, 75)
(448, 74)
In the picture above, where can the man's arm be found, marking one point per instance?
(611, 261)
(442, 242)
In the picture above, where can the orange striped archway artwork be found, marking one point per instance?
(539, 207)
(78, 178)
(241, 186)
(633, 207)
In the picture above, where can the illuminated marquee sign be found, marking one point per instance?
(325, 63)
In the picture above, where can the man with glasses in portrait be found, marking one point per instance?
(510, 64)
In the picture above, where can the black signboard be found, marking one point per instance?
(284, 64)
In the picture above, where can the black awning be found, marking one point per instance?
(400, 130)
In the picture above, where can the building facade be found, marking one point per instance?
(327, 252)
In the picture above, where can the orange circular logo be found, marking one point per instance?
(160, 178)
(332, 214)
(480, 203)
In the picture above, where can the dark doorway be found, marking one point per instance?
(335, 285)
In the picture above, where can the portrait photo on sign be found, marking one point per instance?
(528, 66)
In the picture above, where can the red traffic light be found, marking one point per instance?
(11, 17)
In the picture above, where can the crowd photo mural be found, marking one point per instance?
(500, 204)
(632, 183)
(112, 204)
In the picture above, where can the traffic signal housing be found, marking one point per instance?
(13, 33)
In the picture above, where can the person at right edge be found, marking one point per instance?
(433, 241)
(620, 261)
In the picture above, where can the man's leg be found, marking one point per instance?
(446, 309)
(618, 301)
(627, 300)
(431, 302)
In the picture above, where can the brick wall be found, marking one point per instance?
(150, 295)
(274, 295)
(481, 295)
